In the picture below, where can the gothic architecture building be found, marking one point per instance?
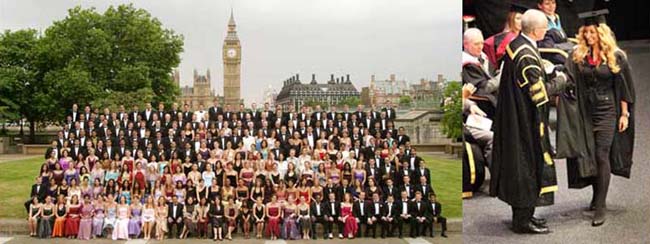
(333, 91)
(199, 93)
(231, 56)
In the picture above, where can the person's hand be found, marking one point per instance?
(476, 110)
(622, 123)
(467, 90)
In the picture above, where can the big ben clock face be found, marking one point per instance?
(231, 52)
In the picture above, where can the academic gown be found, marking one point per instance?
(522, 169)
(575, 139)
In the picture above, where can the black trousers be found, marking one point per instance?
(388, 227)
(372, 228)
(363, 220)
(521, 217)
(417, 228)
(318, 220)
(401, 222)
(329, 226)
(443, 224)
(603, 139)
(170, 227)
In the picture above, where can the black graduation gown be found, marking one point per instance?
(575, 137)
(522, 170)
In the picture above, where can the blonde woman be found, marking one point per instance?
(148, 217)
(605, 122)
(161, 218)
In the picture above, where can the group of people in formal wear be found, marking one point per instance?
(514, 81)
(171, 173)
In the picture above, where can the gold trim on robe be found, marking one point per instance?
(472, 164)
(548, 189)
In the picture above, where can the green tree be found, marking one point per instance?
(350, 101)
(405, 101)
(121, 56)
(452, 118)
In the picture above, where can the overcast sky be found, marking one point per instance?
(413, 39)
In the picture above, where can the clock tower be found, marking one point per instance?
(232, 65)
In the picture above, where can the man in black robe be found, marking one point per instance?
(522, 169)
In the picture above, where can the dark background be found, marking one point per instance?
(629, 19)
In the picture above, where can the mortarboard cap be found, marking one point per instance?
(593, 17)
(518, 7)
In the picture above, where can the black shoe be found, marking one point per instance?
(400, 236)
(599, 217)
(443, 235)
(531, 228)
(538, 221)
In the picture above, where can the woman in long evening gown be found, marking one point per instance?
(347, 217)
(86, 223)
(60, 214)
(45, 223)
(274, 213)
(121, 230)
(73, 218)
(135, 223)
(98, 217)
(289, 227)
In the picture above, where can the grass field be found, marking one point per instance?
(16, 178)
(446, 180)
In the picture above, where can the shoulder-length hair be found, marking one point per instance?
(607, 45)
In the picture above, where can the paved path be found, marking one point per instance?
(486, 219)
(453, 239)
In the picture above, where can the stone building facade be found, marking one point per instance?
(333, 91)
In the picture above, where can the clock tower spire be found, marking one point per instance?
(232, 65)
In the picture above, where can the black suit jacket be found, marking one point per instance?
(422, 211)
(179, 211)
(356, 209)
(332, 213)
(372, 209)
(40, 193)
(426, 191)
(394, 211)
(323, 209)
(434, 212)
(427, 174)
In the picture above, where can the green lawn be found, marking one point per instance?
(446, 180)
(16, 178)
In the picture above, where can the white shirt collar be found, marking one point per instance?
(530, 40)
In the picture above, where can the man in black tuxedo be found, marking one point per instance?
(424, 187)
(387, 172)
(418, 215)
(401, 137)
(215, 110)
(376, 209)
(175, 216)
(404, 212)
(423, 171)
(413, 160)
(39, 190)
(435, 211)
(360, 211)
(389, 217)
(318, 214)
(389, 110)
(390, 190)
(333, 211)
(331, 188)
(407, 187)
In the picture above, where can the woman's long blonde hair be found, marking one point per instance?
(607, 45)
